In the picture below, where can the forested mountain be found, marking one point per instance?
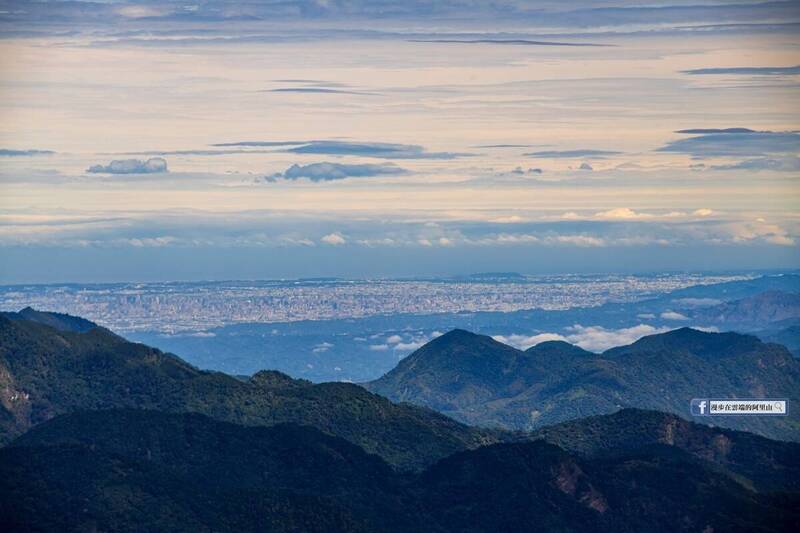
(480, 381)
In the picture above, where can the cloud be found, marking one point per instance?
(672, 315)
(378, 347)
(424, 233)
(585, 16)
(131, 166)
(703, 131)
(580, 240)
(512, 239)
(591, 338)
(409, 346)
(697, 302)
(334, 239)
(599, 339)
(736, 143)
(747, 71)
(519, 171)
(261, 143)
(626, 213)
(372, 149)
(416, 341)
(150, 242)
(523, 342)
(313, 90)
(514, 42)
(142, 11)
(759, 229)
(511, 219)
(394, 339)
(573, 154)
(6, 152)
(335, 171)
(782, 164)
(322, 347)
(620, 213)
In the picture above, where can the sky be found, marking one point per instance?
(364, 138)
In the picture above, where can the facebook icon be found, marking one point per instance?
(699, 407)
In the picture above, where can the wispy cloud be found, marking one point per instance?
(261, 143)
(6, 152)
(735, 142)
(747, 71)
(509, 42)
(372, 149)
(573, 154)
(780, 164)
(582, 15)
(315, 90)
(673, 315)
(704, 131)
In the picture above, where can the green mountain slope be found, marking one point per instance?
(45, 372)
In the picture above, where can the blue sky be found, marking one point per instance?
(221, 140)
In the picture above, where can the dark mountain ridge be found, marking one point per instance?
(757, 462)
(480, 381)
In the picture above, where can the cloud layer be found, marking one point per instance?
(735, 142)
(747, 71)
(371, 149)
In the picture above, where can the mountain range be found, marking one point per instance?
(101, 434)
(754, 312)
(134, 470)
(477, 380)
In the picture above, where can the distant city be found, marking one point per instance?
(197, 306)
